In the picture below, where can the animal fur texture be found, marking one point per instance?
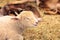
(11, 27)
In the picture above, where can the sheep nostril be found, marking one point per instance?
(35, 25)
(36, 22)
(39, 19)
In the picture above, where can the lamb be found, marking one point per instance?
(11, 27)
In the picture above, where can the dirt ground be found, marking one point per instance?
(47, 29)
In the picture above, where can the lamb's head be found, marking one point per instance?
(28, 19)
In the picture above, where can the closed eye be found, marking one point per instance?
(28, 18)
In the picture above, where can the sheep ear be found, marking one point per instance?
(14, 18)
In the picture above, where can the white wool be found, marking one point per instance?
(11, 28)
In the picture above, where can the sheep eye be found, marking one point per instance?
(27, 18)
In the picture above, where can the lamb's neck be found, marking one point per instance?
(20, 28)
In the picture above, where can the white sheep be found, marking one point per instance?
(11, 27)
